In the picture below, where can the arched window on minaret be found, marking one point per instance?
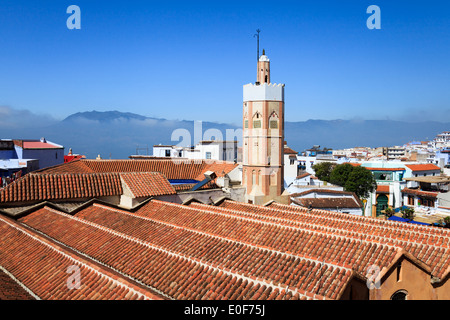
(257, 120)
(253, 177)
(259, 178)
(273, 120)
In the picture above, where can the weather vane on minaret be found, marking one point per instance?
(257, 45)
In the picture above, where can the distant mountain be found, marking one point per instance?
(105, 116)
(120, 134)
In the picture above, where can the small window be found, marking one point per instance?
(256, 124)
(246, 124)
(167, 153)
(208, 155)
(273, 124)
(399, 272)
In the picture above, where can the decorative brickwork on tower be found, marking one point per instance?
(263, 138)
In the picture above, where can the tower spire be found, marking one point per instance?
(257, 43)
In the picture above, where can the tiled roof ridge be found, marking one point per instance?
(183, 256)
(61, 251)
(18, 282)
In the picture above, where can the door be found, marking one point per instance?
(382, 203)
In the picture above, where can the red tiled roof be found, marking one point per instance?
(303, 175)
(183, 263)
(420, 192)
(171, 168)
(237, 250)
(145, 184)
(41, 187)
(423, 242)
(327, 203)
(42, 267)
(288, 150)
(39, 145)
(423, 167)
(11, 290)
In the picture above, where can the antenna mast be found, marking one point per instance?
(257, 43)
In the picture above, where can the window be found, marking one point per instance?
(208, 155)
(410, 200)
(256, 124)
(400, 295)
(427, 202)
(273, 124)
(167, 153)
(246, 124)
(399, 271)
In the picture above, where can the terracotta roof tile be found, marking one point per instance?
(41, 268)
(423, 167)
(170, 168)
(145, 184)
(39, 187)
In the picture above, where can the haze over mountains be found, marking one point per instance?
(118, 134)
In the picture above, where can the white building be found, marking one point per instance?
(290, 166)
(211, 149)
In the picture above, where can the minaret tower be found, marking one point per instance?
(263, 138)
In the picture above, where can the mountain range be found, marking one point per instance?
(117, 135)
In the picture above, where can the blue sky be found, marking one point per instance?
(190, 59)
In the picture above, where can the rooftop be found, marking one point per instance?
(163, 250)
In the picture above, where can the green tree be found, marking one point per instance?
(361, 182)
(408, 213)
(340, 174)
(323, 170)
(389, 212)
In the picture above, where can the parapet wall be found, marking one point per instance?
(264, 92)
